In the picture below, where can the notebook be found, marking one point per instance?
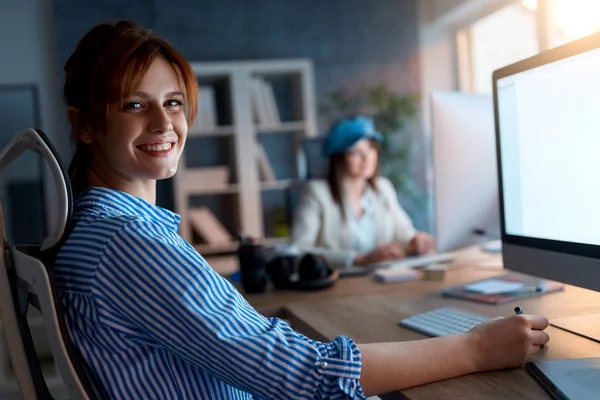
(503, 289)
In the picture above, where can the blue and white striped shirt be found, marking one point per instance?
(155, 321)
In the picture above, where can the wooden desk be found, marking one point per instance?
(368, 312)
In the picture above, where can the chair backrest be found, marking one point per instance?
(26, 278)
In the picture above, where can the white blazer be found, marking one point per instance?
(320, 227)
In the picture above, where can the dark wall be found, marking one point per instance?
(21, 187)
(351, 42)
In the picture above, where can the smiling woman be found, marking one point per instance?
(144, 137)
(130, 129)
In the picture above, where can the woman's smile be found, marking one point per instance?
(158, 149)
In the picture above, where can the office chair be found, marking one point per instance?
(26, 277)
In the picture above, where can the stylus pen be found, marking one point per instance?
(525, 290)
(519, 310)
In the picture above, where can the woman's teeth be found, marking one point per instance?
(156, 147)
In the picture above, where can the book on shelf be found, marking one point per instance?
(208, 226)
(264, 104)
(206, 118)
(264, 166)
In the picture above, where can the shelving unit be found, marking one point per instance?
(245, 203)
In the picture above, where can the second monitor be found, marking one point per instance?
(464, 164)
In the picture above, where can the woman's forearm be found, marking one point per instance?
(394, 366)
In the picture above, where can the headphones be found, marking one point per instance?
(313, 272)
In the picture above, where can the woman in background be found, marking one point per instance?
(354, 218)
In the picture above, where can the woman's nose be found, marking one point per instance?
(160, 121)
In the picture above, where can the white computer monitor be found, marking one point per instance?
(464, 164)
(547, 117)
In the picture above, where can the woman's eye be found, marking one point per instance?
(133, 105)
(174, 103)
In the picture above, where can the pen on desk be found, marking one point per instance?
(525, 290)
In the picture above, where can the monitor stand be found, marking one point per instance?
(494, 246)
(587, 325)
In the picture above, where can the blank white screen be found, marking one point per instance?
(549, 119)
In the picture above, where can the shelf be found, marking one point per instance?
(279, 185)
(229, 189)
(226, 130)
(284, 127)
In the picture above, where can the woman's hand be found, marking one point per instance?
(497, 344)
(507, 342)
(381, 253)
(421, 243)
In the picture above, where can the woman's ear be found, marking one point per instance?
(79, 129)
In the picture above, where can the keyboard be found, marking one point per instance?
(443, 321)
(415, 261)
(406, 262)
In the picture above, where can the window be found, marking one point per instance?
(517, 31)
(499, 39)
(569, 20)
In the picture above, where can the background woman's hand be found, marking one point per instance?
(421, 243)
(507, 342)
(381, 253)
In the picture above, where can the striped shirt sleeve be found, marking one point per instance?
(164, 287)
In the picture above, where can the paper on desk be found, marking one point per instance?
(494, 286)
(395, 275)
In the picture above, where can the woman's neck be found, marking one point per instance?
(354, 187)
(145, 189)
